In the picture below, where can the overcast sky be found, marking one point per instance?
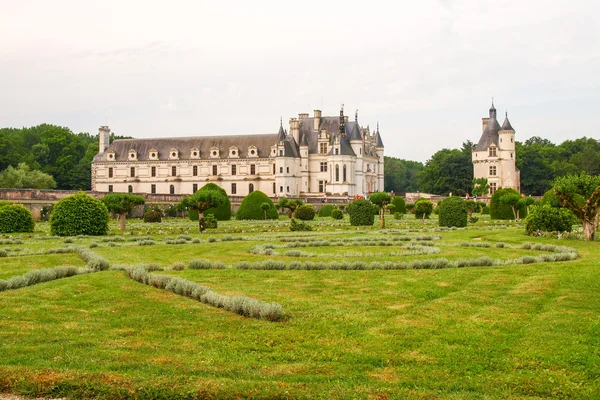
(426, 69)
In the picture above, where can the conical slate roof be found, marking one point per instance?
(378, 141)
(489, 135)
(281, 133)
(506, 126)
(355, 132)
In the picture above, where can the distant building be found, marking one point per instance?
(494, 156)
(320, 155)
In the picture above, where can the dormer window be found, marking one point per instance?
(110, 155)
(153, 154)
(195, 153)
(214, 152)
(252, 151)
(173, 154)
(132, 155)
(234, 152)
(492, 151)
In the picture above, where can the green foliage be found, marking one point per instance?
(24, 177)
(401, 175)
(501, 206)
(299, 226)
(361, 213)
(480, 187)
(79, 214)
(410, 208)
(380, 199)
(485, 209)
(546, 218)
(448, 171)
(152, 216)
(398, 215)
(337, 214)
(222, 212)
(306, 212)
(122, 203)
(581, 194)
(325, 210)
(265, 207)
(453, 212)
(204, 199)
(423, 208)
(399, 204)
(250, 207)
(551, 199)
(210, 221)
(292, 205)
(15, 218)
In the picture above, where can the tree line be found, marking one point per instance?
(66, 158)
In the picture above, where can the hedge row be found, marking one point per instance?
(241, 305)
(36, 276)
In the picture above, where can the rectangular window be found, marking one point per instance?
(110, 188)
(492, 187)
(214, 170)
(288, 189)
(492, 152)
(273, 169)
(173, 170)
(172, 189)
(194, 188)
(281, 153)
(337, 151)
(287, 169)
(153, 189)
(323, 167)
(110, 172)
(132, 171)
(252, 169)
(323, 148)
(493, 170)
(281, 170)
(233, 188)
(281, 189)
(274, 188)
(130, 189)
(234, 169)
(195, 172)
(153, 171)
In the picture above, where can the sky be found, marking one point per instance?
(425, 70)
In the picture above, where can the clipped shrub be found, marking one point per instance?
(399, 205)
(210, 222)
(250, 207)
(337, 214)
(551, 199)
(547, 218)
(361, 213)
(178, 266)
(79, 214)
(152, 216)
(453, 212)
(501, 210)
(410, 208)
(485, 209)
(325, 211)
(299, 226)
(221, 213)
(306, 212)
(398, 215)
(15, 218)
(423, 208)
(473, 219)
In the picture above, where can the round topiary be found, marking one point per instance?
(15, 218)
(547, 218)
(361, 213)
(551, 199)
(152, 216)
(325, 211)
(337, 214)
(79, 214)
(250, 207)
(501, 210)
(221, 213)
(399, 204)
(453, 212)
(306, 212)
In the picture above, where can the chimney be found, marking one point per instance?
(317, 120)
(484, 122)
(295, 128)
(104, 136)
(302, 116)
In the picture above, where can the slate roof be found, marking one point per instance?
(121, 147)
(506, 126)
(489, 135)
(331, 125)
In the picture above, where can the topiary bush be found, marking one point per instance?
(500, 210)
(546, 218)
(210, 221)
(453, 212)
(399, 204)
(337, 214)
(250, 207)
(79, 214)
(361, 213)
(152, 216)
(398, 215)
(221, 213)
(299, 226)
(551, 199)
(325, 211)
(423, 208)
(15, 218)
(410, 208)
(306, 212)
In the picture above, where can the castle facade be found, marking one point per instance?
(320, 155)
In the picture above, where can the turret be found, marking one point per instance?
(507, 134)
(104, 136)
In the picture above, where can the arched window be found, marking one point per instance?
(251, 188)
(337, 173)
(344, 174)
(130, 189)
(172, 189)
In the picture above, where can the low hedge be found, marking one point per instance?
(325, 211)
(306, 212)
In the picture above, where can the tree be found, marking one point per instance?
(292, 205)
(448, 171)
(201, 201)
(24, 177)
(122, 204)
(265, 207)
(514, 201)
(481, 187)
(581, 195)
(471, 207)
(423, 209)
(401, 175)
(381, 199)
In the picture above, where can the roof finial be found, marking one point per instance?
(356, 115)
(280, 121)
(377, 126)
(492, 101)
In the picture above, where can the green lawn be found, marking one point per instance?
(515, 331)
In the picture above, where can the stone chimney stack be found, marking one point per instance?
(104, 135)
(484, 122)
(295, 129)
(317, 120)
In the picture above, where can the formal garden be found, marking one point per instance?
(376, 299)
